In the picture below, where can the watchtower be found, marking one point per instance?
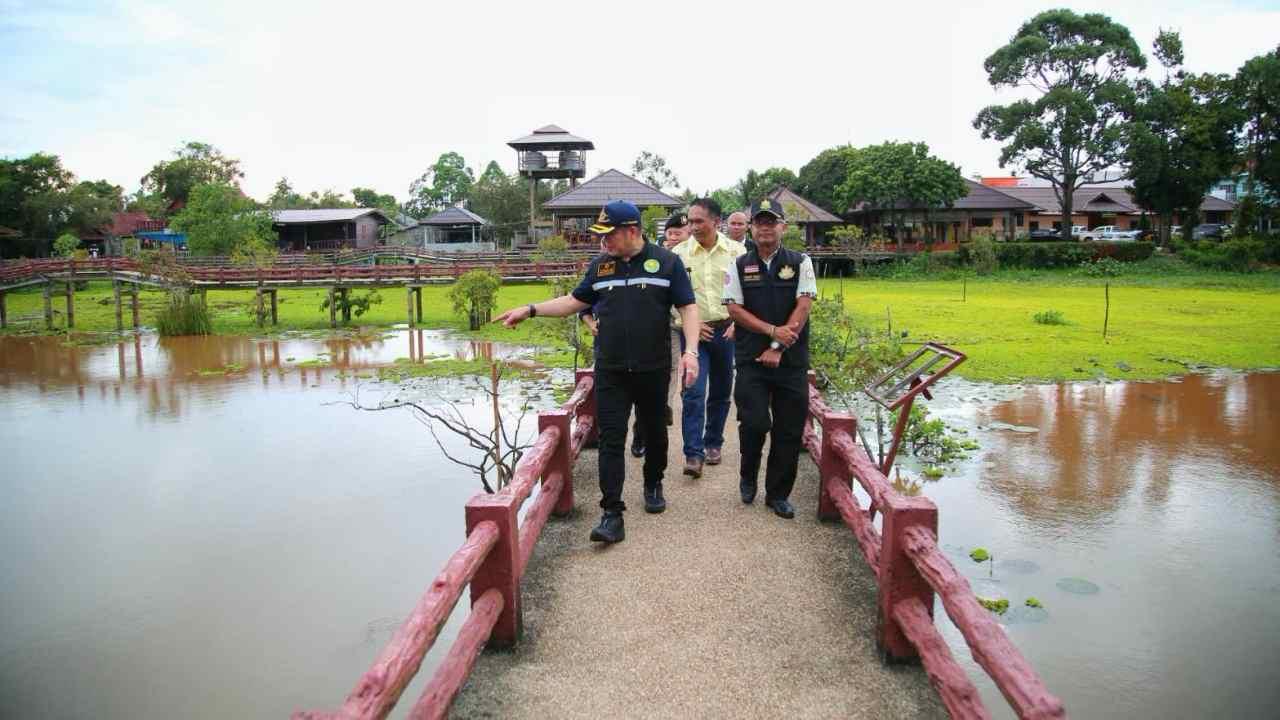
(550, 153)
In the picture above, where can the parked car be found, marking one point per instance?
(1117, 235)
(1044, 235)
(1078, 230)
(1210, 230)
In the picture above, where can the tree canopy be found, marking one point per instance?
(193, 164)
(1257, 89)
(1183, 136)
(219, 220)
(754, 186)
(652, 169)
(1080, 67)
(822, 176)
(902, 175)
(42, 199)
(446, 182)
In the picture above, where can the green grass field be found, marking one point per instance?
(1163, 318)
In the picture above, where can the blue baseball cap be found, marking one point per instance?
(615, 215)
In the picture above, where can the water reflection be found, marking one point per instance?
(169, 373)
(1097, 444)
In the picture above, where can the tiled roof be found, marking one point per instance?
(610, 185)
(552, 137)
(455, 216)
(809, 212)
(286, 217)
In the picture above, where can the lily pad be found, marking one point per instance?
(1078, 586)
(999, 607)
(1018, 566)
(979, 555)
(1034, 603)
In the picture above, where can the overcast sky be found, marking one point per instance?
(338, 95)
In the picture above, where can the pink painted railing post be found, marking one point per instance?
(562, 459)
(500, 569)
(831, 466)
(587, 408)
(899, 578)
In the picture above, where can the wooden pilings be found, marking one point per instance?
(48, 306)
(116, 292)
(4, 312)
(413, 300)
(71, 302)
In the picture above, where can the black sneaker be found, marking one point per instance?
(747, 491)
(653, 500)
(670, 417)
(637, 447)
(781, 508)
(610, 529)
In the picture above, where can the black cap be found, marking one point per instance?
(767, 207)
(678, 219)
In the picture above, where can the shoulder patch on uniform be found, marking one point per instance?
(605, 268)
(651, 265)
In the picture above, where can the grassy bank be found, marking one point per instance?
(1164, 317)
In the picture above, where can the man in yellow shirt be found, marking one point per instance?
(708, 256)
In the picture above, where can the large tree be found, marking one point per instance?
(754, 186)
(501, 199)
(1257, 89)
(219, 220)
(445, 183)
(193, 164)
(369, 198)
(898, 177)
(652, 169)
(1182, 139)
(822, 176)
(42, 199)
(1079, 67)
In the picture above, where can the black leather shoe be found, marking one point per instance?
(610, 529)
(781, 508)
(653, 500)
(670, 417)
(748, 491)
(637, 448)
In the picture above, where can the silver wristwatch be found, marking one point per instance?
(775, 345)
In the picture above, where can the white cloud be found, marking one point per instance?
(339, 95)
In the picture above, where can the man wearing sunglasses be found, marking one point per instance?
(632, 286)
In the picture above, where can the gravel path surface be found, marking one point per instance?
(713, 609)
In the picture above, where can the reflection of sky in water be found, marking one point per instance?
(1167, 496)
(229, 545)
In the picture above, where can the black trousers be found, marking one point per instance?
(783, 393)
(616, 392)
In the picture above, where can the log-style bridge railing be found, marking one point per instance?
(909, 569)
(492, 561)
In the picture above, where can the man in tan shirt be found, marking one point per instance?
(708, 256)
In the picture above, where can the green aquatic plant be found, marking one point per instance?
(980, 555)
(933, 472)
(1034, 603)
(1050, 317)
(998, 607)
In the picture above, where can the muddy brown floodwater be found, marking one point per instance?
(193, 528)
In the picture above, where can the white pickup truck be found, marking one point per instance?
(1109, 233)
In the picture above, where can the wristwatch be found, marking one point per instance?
(775, 345)
(533, 311)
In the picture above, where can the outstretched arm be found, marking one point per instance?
(557, 307)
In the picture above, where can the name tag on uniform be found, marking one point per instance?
(605, 268)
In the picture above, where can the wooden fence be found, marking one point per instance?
(491, 561)
(910, 569)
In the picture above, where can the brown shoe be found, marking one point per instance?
(713, 456)
(693, 467)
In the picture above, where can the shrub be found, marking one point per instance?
(982, 254)
(183, 314)
(1050, 317)
(1102, 267)
(551, 249)
(1238, 255)
(65, 245)
(1124, 252)
(475, 295)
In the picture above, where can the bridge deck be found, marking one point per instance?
(712, 609)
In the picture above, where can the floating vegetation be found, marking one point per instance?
(979, 555)
(1034, 603)
(319, 362)
(227, 369)
(999, 607)
(1078, 586)
(933, 472)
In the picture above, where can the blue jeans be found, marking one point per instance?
(705, 411)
